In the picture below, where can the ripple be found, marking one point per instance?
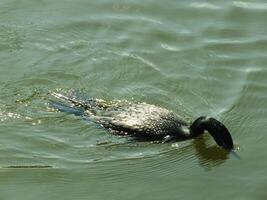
(143, 60)
(169, 48)
(135, 166)
(136, 18)
(205, 5)
(12, 37)
(251, 5)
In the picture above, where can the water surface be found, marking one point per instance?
(194, 57)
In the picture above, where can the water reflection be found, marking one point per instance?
(209, 156)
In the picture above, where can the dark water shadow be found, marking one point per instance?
(209, 156)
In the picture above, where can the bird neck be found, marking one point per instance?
(198, 126)
(216, 129)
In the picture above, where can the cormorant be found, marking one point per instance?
(143, 121)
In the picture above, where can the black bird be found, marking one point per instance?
(143, 121)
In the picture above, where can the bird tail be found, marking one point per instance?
(63, 107)
(71, 104)
(75, 102)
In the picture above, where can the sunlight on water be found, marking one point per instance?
(205, 5)
(249, 5)
(5, 116)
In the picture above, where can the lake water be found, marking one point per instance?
(193, 57)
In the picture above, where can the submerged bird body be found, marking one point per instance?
(142, 120)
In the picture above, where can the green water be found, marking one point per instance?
(193, 57)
